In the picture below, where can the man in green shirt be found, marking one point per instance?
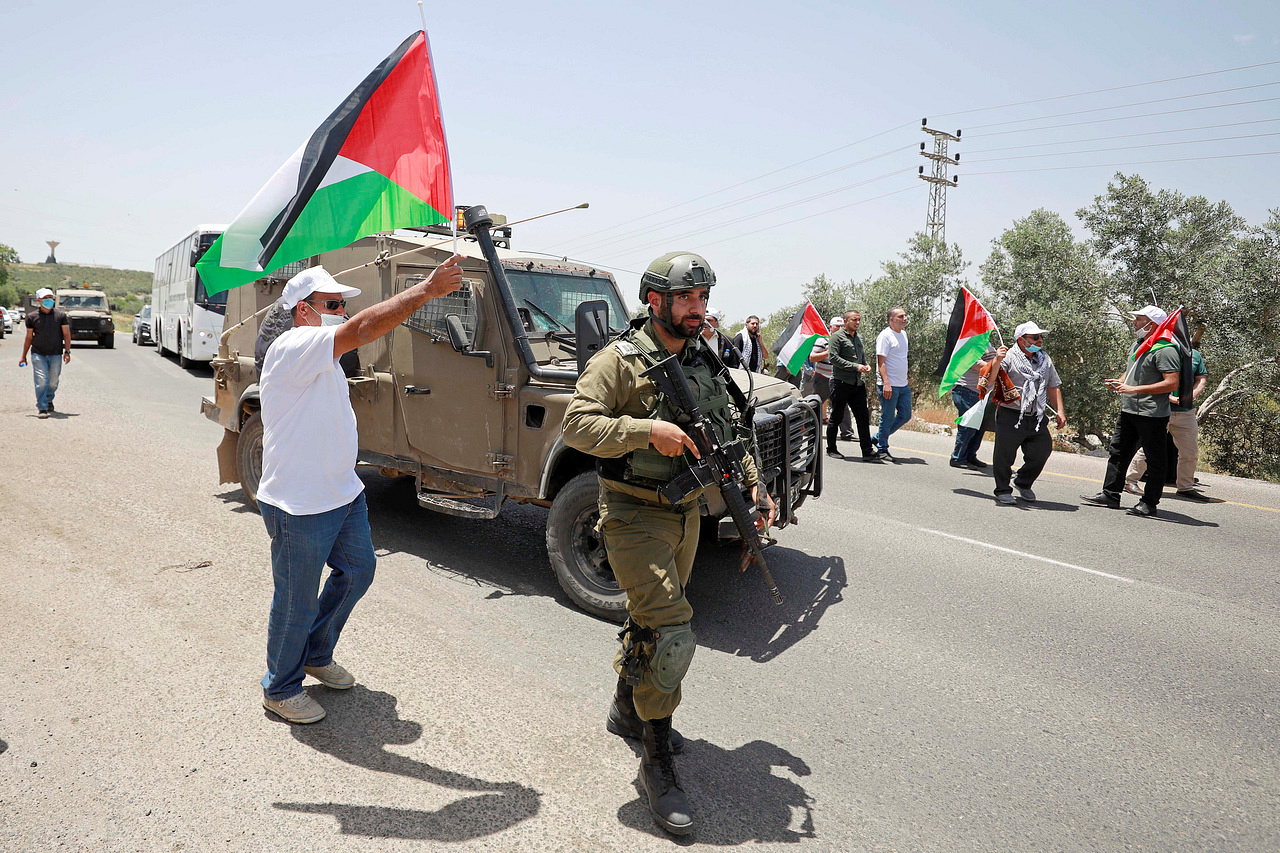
(1184, 430)
(848, 363)
(1144, 415)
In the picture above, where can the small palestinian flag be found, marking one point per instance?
(1173, 332)
(797, 341)
(379, 162)
(968, 335)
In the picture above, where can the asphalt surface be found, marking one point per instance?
(945, 675)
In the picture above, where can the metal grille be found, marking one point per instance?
(288, 271)
(430, 318)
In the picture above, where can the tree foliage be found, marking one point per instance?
(8, 293)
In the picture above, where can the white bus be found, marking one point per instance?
(184, 318)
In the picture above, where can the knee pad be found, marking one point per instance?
(673, 652)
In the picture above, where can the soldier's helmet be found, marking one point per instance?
(676, 271)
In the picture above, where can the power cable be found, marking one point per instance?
(1122, 136)
(1122, 148)
(1128, 118)
(1109, 89)
(724, 205)
(1130, 163)
(1126, 106)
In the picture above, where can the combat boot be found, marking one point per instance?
(623, 720)
(667, 800)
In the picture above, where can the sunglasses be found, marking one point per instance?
(1034, 337)
(329, 304)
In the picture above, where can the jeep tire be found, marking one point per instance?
(577, 551)
(249, 457)
(107, 341)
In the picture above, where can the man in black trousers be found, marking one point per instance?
(848, 363)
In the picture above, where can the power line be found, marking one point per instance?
(1128, 118)
(1110, 89)
(1130, 163)
(1122, 148)
(1126, 106)
(724, 205)
(1125, 135)
(722, 224)
(743, 183)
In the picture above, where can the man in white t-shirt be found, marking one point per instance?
(310, 497)
(891, 380)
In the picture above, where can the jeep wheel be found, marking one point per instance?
(249, 457)
(577, 551)
(107, 341)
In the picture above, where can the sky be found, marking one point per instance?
(778, 140)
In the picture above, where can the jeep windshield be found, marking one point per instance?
(546, 301)
(84, 302)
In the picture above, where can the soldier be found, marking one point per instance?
(618, 416)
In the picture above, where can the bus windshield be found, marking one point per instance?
(217, 302)
(547, 301)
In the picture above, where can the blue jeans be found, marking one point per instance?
(967, 440)
(304, 628)
(894, 412)
(47, 370)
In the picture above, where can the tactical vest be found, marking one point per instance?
(647, 467)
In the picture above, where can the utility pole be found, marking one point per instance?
(936, 225)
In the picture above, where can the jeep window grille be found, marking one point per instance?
(430, 318)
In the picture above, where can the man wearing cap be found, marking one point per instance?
(49, 342)
(311, 500)
(848, 365)
(1023, 424)
(718, 340)
(1184, 429)
(1144, 415)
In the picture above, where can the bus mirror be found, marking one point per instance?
(591, 329)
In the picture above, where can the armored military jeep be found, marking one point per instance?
(89, 315)
(468, 395)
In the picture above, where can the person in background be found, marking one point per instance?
(49, 344)
(965, 396)
(1023, 423)
(1184, 430)
(819, 380)
(848, 366)
(754, 352)
(891, 380)
(718, 340)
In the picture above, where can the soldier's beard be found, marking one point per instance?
(683, 330)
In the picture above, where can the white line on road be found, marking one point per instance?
(1024, 554)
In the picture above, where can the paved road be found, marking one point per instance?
(945, 675)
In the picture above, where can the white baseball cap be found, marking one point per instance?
(1029, 328)
(313, 280)
(1152, 313)
(836, 321)
(43, 292)
(713, 314)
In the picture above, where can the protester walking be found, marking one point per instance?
(49, 343)
(311, 500)
(891, 380)
(818, 379)
(749, 343)
(1023, 423)
(1184, 429)
(848, 365)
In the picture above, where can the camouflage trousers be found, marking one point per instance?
(651, 550)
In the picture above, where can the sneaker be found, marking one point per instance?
(1193, 495)
(976, 463)
(872, 457)
(296, 709)
(332, 675)
(43, 414)
(51, 408)
(1026, 494)
(848, 436)
(1101, 499)
(885, 456)
(1142, 510)
(1005, 499)
(1133, 489)
(954, 464)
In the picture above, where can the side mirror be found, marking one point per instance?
(590, 329)
(457, 334)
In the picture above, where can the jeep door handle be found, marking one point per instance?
(414, 389)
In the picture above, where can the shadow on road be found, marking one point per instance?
(1049, 506)
(360, 724)
(3, 746)
(235, 500)
(734, 613)
(736, 795)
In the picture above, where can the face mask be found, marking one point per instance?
(47, 303)
(1032, 348)
(332, 319)
(1142, 333)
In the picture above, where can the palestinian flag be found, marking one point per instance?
(968, 335)
(797, 341)
(377, 163)
(1173, 332)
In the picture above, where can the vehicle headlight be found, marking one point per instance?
(205, 334)
(104, 322)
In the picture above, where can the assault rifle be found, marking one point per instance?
(719, 465)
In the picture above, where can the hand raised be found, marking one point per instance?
(669, 440)
(444, 279)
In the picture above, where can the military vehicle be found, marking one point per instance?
(89, 314)
(467, 396)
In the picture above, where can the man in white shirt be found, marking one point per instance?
(891, 380)
(310, 497)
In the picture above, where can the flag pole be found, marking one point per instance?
(453, 214)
